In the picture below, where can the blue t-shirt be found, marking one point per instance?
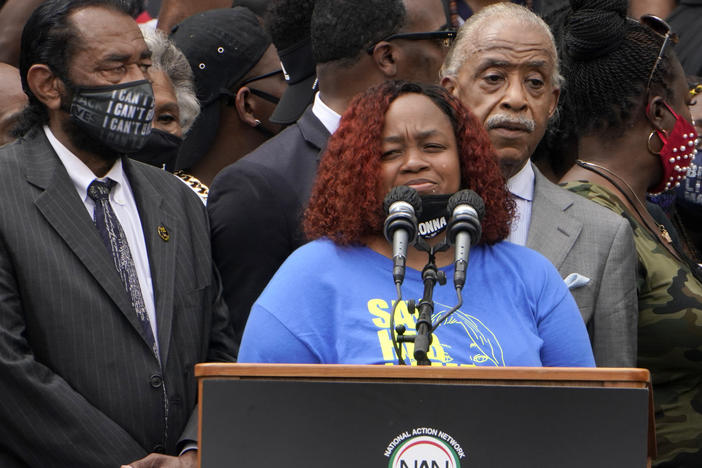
(330, 304)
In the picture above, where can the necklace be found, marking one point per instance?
(200, 189)
(593, 167)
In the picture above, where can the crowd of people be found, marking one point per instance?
(209, 185)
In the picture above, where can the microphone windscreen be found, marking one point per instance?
(466, 197)
(406, 194)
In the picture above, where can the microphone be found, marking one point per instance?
(401, 205)
(466, 210)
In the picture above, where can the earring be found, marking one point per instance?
(648, 143)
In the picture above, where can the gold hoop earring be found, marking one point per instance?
(648, 143)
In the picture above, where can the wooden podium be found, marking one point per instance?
(270, 415)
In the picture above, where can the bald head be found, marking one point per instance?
(12, 100)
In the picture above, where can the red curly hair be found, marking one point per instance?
(345, 205)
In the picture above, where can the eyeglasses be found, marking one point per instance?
(663, 29)
(444, 36)
(262, 94)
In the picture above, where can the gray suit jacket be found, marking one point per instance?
(80, 386)
(578, 236)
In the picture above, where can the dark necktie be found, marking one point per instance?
(113, 236)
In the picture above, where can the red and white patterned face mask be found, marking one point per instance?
(676, 154)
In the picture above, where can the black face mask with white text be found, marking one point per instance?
(119, 116)
(432, 221)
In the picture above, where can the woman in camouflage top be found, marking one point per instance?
(628, 98)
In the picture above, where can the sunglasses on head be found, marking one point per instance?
(664, 30)
(444, 36)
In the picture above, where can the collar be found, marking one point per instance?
(521, 184)
(82, 176)
(325, 114)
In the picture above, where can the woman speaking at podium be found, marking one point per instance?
(332, 300)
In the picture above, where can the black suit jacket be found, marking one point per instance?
(80, 385)
(255, 207)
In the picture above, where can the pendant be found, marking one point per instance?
(664, 234)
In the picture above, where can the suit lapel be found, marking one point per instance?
(162, 236)
(65, 212)
(551, 231)
(313, 130)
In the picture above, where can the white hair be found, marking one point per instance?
(166, 57)
(490, 14)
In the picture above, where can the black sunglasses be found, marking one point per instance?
(445, 37)
(663, 29)
(262, 94)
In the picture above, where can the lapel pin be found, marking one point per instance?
(163, 233)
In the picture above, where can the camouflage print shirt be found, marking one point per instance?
(670, 337)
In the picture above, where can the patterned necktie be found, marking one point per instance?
(113, 236)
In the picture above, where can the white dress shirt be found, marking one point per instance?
(325, 114)
(521, 186)
(125, 208)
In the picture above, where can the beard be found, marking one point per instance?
(78, 137)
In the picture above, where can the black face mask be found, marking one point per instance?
(160, 150)
(433, 220)
(119, 116)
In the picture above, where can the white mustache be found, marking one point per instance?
(513, 122)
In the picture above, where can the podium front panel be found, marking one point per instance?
(281, 423)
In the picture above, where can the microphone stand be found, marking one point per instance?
(430, 276)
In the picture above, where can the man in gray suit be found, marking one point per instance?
(504, 68)
(108, 295)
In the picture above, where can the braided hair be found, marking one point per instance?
(607, 61)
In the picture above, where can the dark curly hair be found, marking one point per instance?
(607, 61)
(288, 21)
(345, 205)
(341, 30)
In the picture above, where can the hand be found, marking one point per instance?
(157, 460)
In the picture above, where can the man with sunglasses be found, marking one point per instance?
(238, 80)
(256, 204)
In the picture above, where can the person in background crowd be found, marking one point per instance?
(685, 21)
(660, 8)
(12, 101)
(418, 136)
(239, 81)
(461, 10)
(504, 68)
(256, 204)
(175, 105)
(173, 12)
(108, 292)
(13, 15)
(630, 102)
(686, 212)
(288, 23)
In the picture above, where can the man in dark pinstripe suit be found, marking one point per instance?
(89, 376)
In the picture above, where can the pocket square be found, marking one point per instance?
(576, 280)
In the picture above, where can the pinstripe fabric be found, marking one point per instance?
(581, 238)
(80, 385)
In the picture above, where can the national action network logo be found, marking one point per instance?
(424, 447)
